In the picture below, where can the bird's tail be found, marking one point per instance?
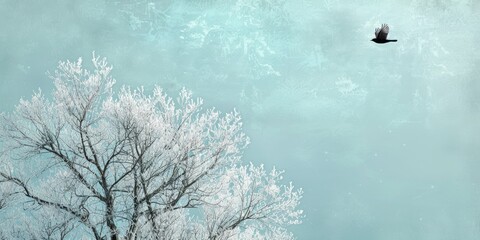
(393, 40)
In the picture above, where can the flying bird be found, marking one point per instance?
(381, 35)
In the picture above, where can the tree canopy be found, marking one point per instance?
(93, 163)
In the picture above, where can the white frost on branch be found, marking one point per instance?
(131, 165)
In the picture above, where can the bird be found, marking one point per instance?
(381, 35)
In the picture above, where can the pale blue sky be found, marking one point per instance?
(384, 139)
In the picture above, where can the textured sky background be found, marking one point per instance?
(384, 139)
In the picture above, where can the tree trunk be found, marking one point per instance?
(109, 218)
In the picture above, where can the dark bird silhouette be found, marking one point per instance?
(381, 35)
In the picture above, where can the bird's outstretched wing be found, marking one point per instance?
(381, 33)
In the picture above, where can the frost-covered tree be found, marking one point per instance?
(92, 163)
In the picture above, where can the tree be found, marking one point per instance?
(135, 166)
